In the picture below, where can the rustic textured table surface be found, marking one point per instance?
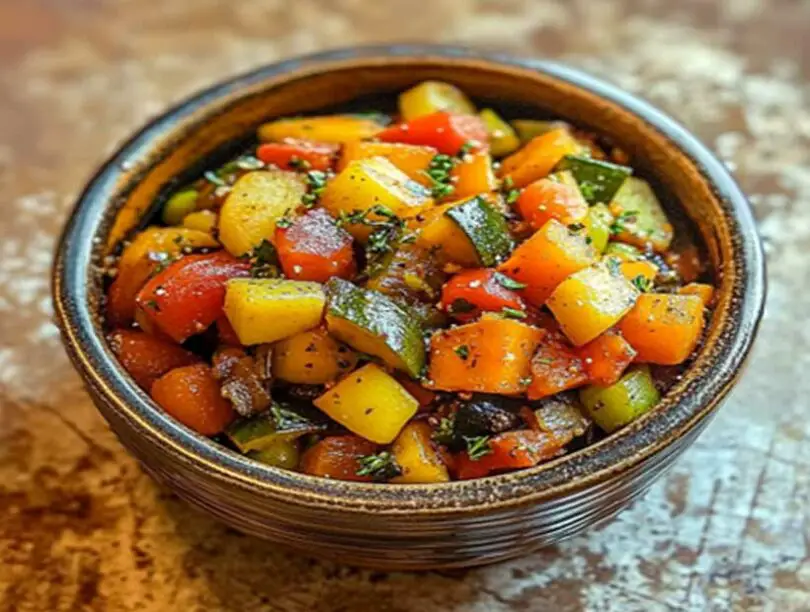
(82, 527)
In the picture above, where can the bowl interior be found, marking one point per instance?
(214, 124)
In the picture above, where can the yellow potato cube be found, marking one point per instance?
(311, 358)
(369, 402)
(414, 453)
(375, 181)
(591, 301)
(264, 310)
(333, 128)
(256, 202)
(432, 96)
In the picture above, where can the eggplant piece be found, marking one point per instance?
(484, 415)
(562, 416)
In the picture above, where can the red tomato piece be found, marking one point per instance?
(546, 199)
(314, 248)
(606, 358)
(191, 395)
(445, 131)
(470, 292)
(337, 457)
(187, 297)
(556, 366)
(508, 451)
(295, 154)
(145, 357)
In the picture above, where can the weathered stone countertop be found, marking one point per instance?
(83, 528)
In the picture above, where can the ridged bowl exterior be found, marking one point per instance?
(416, 526)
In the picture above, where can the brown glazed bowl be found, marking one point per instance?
(410, 526)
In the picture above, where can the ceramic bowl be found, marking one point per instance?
(412, 526)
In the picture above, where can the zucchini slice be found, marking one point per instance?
(598, 180)
(373, 323)
(640, 218)
(486, 229)
(284, 421)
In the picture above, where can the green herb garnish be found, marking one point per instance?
(513, 313)
(619, 224)
(642, 283)
(463, 351)
(478, 447)
(439, 173)
(509, 283)
(381, 466)
(444, 433)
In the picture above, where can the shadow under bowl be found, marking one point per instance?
(412, 526)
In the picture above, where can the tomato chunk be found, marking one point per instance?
(556, 366)
(447, 132)
(314, 248)
(606, 358)
(470, 292)
(191, 395)
(507, 451)
(546, 199)
(337, 457)
(147, 358)
(187, 297)
(296, 154)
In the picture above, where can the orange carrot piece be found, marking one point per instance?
(191, 395)
(664, 328)
(606, 358)
(546, 199)
(337, 457)
(473, 176)
(538, 158)
(633, 269)
(556, 366)
(492, 355)
(546, 259)
(413, 160)
(147, 358)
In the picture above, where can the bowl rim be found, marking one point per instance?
(696, 399)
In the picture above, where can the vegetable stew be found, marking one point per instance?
(434, 294)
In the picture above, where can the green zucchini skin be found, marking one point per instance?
(283, 421)
(381, 321)
(598, 180)
(486, 228)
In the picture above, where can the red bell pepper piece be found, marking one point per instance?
(556, 366)
(147, 358)
(470, 292)
(337, 457)
(508, 451)
(295, 154)
(606, 358)
(187, 297)
(314, 248)
(546, 199)
(192, 395)
(445, 131)
(425, 397)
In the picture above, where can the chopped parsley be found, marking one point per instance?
(439, 173)
(509, 283)
(478, 447)
(264, 260)
(381, 466)
(513, 313)
(510, 193)
(619, 224)
(576, 227)
(444, 433)
(463, 351)
(316, 182)
(466, 148)
(642, 283)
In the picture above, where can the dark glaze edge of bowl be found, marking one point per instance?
(684, 407)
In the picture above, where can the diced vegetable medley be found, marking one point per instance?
(434, 294)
